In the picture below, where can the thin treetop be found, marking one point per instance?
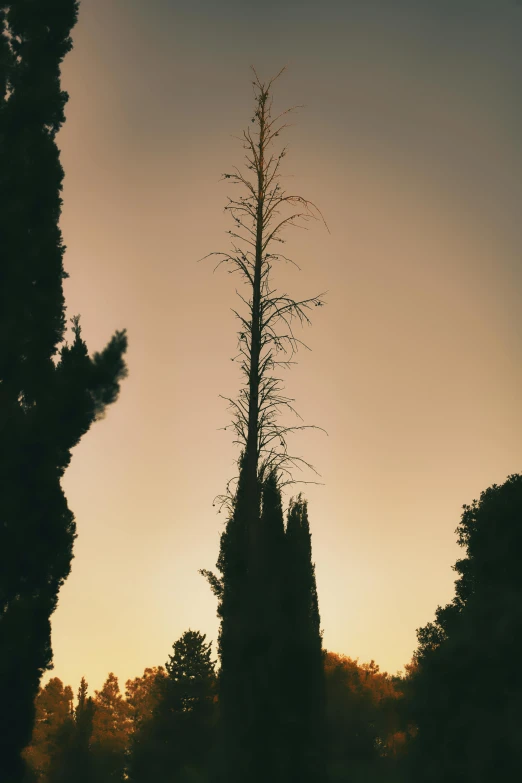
(266, 338)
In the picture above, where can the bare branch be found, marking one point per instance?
(266, 339)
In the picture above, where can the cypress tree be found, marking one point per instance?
(272, 693)
(267, 638)
(252, 642)
(233, 644)
(50, 393)
(304, 669)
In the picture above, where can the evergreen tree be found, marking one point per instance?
(47, 401)
(469, 730)
(111, 728)
(235, 696)
(84, 714)
(177, 741)
(252, 640)
(269, 643)
(76, 760)
(304, 672)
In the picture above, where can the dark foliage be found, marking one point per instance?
(465, 687)
(271, 681)
(177, 741)
(364, 731)
(263, 660)
(47, 402)
(251, 642)
(304, 672)
(163, 732)
(75, 761)
(234, 645)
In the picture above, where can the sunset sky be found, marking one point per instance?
(410, 143)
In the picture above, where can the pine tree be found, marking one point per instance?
(77, 758)
(84, 723)
(177, 741)
(111, 728)
(252, 638)
(47, 401)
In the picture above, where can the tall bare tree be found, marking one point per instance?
(266, 339)
(252, 561)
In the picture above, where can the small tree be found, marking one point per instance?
(176, 741)
(111, 729)
(79, 765)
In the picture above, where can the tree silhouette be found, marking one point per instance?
(54, 719)
(60, 749)
(253, 640)
(111, 729)
(176, 741)
(50, 392)
(166, 727)
(79, 758)
(266, 338)
(468, 727)
(364, 722)
(304, 671)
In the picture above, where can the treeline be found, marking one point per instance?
(164, 726)
(454, 715)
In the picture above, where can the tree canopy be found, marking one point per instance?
(50, 391)
(467, 731)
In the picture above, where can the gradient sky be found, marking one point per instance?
(410, 144)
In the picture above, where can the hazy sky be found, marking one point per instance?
(410, 144)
